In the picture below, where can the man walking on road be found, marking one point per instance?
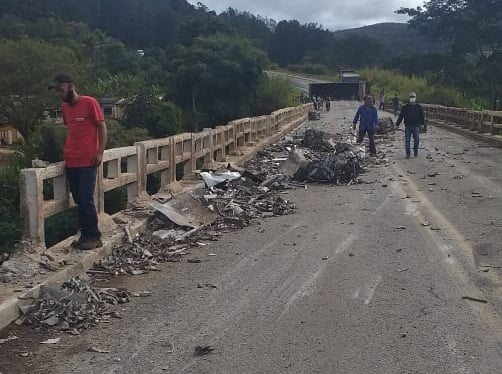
(83, 153)
(367, 116)
(414, 120)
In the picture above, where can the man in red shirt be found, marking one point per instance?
(83, 153)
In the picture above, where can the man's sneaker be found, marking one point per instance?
(407, 156)
(90, 243)
(415, 154)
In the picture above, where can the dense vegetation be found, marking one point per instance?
(198, 68)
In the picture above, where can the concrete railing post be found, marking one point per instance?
(31, 186)
(99, 193)
(132, 188)
(141, 168)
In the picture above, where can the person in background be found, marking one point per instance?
(413, 116)
(382, 99)
(83, 154)
(367, 116)
(395, 104)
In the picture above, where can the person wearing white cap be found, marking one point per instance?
(413, 116)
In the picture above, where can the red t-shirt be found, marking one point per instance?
(82, 142)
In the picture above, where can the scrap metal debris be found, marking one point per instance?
(385, 125)
(203, 350)
(324, 160)
(483, 301)
(51, 341)
(97, 350)
(314, 115)
(141, 256)
(72, 307)
(342, 166)
(8, 339)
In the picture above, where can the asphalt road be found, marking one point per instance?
(368, 278)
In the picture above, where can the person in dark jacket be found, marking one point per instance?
(367, 116)
(413, 116)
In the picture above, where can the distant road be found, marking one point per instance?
(298, 81)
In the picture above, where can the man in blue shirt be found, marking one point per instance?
(367, 116)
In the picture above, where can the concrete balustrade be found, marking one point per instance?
(130, 166)
(485, 121)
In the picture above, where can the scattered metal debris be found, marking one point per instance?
(141, 256)
(97, 350)
(72, 307)
(314, 115)
(51, 341)
(385, 125)
(8, 339)
(203, 350)
(483, 301)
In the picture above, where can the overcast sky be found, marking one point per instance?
(331, 14)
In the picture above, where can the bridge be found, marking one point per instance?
(398, 274)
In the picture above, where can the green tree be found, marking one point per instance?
(26, 69)
(272, 94)
(217, 76)
(474, 28)
(149, 110)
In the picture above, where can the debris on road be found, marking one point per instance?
(203, 350)
(51, 341)
(72, 307)
(206, 285)
(97, 350)
(483, 301)
(142, 294)
(323, 160)
(8, 339)
(385, 125)
(314, 115)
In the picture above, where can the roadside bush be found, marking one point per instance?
(272, 94)
(315, 69)
(427, 93)
(10, 220)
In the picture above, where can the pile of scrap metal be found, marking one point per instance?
(239, 195)
(72, 307)
(385, 125)
(141, 254)
(314, 115)
(324, 160)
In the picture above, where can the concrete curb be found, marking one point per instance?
(9, 305)
(495, 140)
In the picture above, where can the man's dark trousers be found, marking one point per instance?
(371, 137)
(408, 132)
(82, 183)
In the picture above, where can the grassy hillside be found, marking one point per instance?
(396, 38)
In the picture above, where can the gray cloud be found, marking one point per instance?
(331, 14)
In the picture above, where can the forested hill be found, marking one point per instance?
(397, 38)
(160, 23)
(139, 24)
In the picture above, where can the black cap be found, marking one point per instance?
(60, 79)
